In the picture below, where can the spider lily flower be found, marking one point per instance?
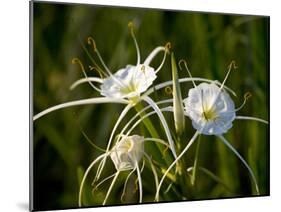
(125, 86)
(125, 155)
(212, 112)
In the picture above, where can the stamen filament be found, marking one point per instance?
(77, 61)
(92, 42)
(131, 26)
(182, 80)
(186, 67)
(231, 66)
(167, 47)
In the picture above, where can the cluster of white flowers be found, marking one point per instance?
(208, 105)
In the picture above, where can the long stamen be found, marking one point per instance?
(110, 188)
(232, 66)
(92, 42)
(85, 176)
(174, 162)
(167, 48)
(187, 69)
(77, 61)
(97, 100)
(131, 26)
(182, 80)
(243, 161)
(246, 97)
(93, 68)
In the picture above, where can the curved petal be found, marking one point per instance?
(97, 100)
(153, 54)
(85, 176)
(243, 161)
(163, 121)
(84, 80)
(252, 119)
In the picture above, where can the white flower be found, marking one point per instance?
(212, 112)
(128, 82)
(128, 152)
(126, 155)
(211, 109)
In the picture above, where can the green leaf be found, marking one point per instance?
(177, 99)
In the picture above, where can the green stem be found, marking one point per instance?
(195, 165)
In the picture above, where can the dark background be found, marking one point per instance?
(208, 41)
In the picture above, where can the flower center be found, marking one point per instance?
(128, 89)
(209, 114)
(128, 145)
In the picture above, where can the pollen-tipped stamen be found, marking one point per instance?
(101, 74)
(187, 69)
(232, 66)
(92, 42)
(77, 61)
(131, 27)
(167, 48)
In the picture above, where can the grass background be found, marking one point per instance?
(208, 41)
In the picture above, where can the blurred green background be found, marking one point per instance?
(208, 41)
